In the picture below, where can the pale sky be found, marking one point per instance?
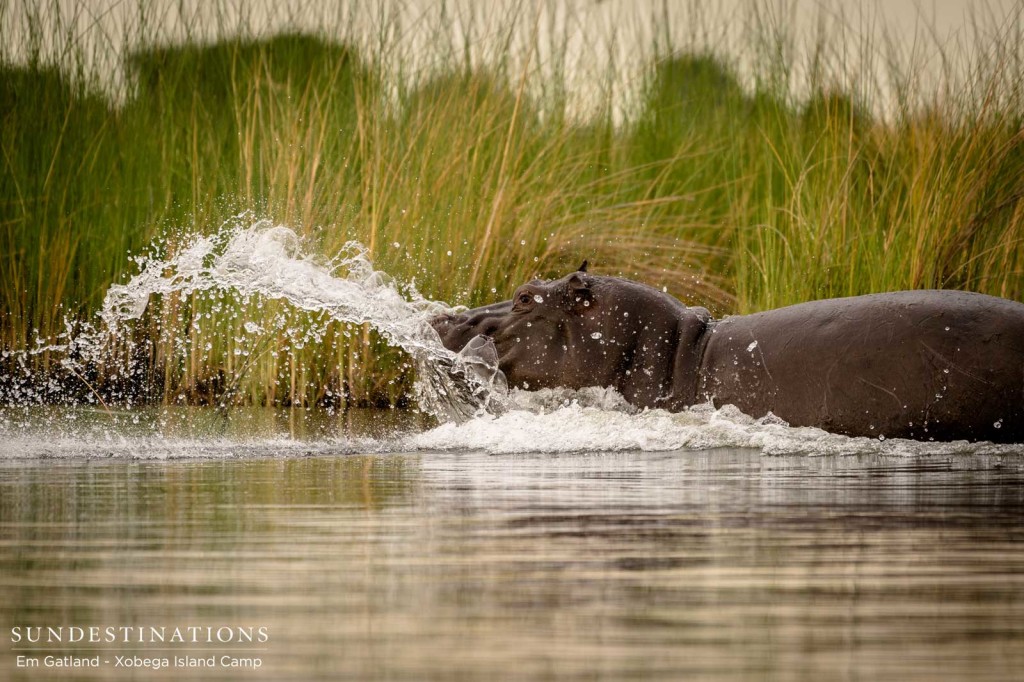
(932, 34)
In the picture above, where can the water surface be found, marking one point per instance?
(717, 564)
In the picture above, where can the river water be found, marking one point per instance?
(369, 555)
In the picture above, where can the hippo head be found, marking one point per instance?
(577, 331)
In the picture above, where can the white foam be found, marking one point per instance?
(549, 422)
(601, 421)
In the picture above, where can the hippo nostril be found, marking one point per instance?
(441, 322)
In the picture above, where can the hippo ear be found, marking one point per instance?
(578, 294)
(583, 267)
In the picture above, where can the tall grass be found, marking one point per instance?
(740, 197)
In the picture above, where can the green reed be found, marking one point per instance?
(474, 179)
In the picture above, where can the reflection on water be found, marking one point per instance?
(82, 425)
(715, 564)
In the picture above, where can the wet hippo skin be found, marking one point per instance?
(942, 365)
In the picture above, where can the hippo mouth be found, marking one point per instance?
(480, 358)
(457, 331)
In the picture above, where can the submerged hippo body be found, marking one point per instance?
(942, 365)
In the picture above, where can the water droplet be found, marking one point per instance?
(596, 335)
(229, 274)
(998, 424)
(538, 298)
(751, 347)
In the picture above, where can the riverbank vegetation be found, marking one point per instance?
(735, 190)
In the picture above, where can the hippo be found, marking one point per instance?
(927, 365)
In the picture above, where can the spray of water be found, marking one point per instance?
(266, 261)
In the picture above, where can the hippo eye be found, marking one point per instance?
(525, 299)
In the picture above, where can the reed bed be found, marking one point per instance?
(737, 194)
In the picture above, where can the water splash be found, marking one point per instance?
(555, 422)
(600, 420)
(466, 391)
(266, 261)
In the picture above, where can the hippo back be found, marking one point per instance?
(940, 365)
